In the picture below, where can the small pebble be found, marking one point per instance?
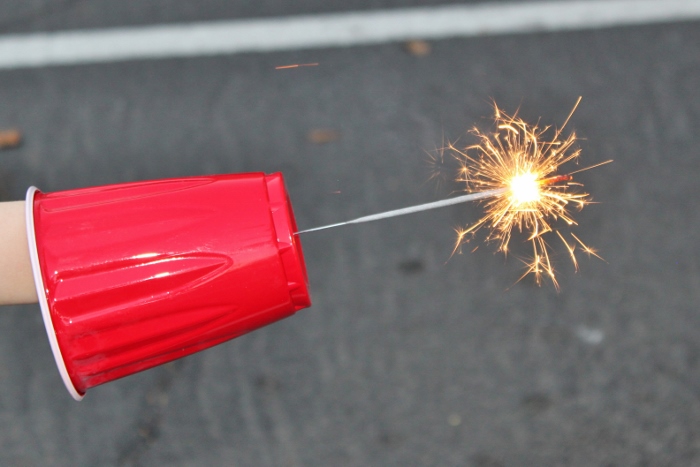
(418, 48)
(590, 336)
(323, 136)
(10, 138)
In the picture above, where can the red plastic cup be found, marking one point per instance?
(134, 275)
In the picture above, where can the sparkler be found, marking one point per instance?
(514, 171)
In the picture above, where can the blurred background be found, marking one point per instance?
(407, 356)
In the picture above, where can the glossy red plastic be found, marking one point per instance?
(138, 274)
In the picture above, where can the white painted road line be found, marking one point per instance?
(333, 30)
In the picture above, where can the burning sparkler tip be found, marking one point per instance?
(521, 160)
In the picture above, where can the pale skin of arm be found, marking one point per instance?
(16, 278)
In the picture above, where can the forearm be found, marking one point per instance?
(16, 279)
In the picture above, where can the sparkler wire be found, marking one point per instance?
(411, 209)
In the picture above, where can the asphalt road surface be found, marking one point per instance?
(407, 356)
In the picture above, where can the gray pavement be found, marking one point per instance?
(406, 357)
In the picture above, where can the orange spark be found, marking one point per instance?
(295, 65)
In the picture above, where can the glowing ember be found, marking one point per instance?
(524, 190)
